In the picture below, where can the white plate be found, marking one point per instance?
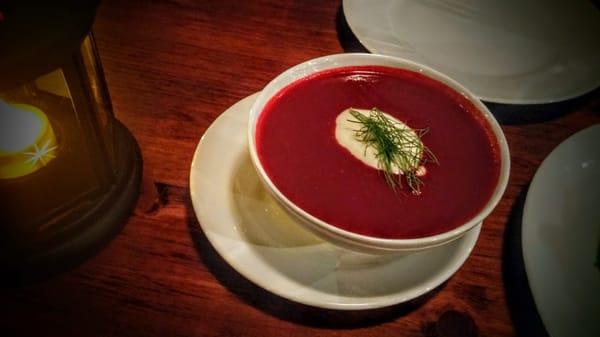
(511, 51)
(561, 229)
(255, 236)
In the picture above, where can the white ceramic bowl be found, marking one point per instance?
(336, 235)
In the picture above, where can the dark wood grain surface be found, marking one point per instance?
(172, 68)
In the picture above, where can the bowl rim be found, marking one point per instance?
(312, 66)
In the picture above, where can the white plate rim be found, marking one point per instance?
(526, 224)
(501, 99)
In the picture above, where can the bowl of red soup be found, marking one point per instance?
(377, 154)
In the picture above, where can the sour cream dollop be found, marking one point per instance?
(346, 126)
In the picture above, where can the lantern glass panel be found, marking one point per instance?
(62, 158)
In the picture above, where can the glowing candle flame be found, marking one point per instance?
(27, 140)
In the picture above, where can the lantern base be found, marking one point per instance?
(93, 230)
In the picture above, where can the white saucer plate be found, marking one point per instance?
(561, 234)
(511, 51)
(257, 238)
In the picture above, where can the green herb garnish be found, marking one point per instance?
(398, 149)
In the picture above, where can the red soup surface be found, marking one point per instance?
(297, 147)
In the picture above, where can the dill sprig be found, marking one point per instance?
(397, 147)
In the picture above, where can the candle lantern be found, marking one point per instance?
(69, 171)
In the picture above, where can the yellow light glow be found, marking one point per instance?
(27, 140)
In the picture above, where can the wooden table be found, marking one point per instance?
(172, 67)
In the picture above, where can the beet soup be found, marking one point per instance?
(297, 147)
